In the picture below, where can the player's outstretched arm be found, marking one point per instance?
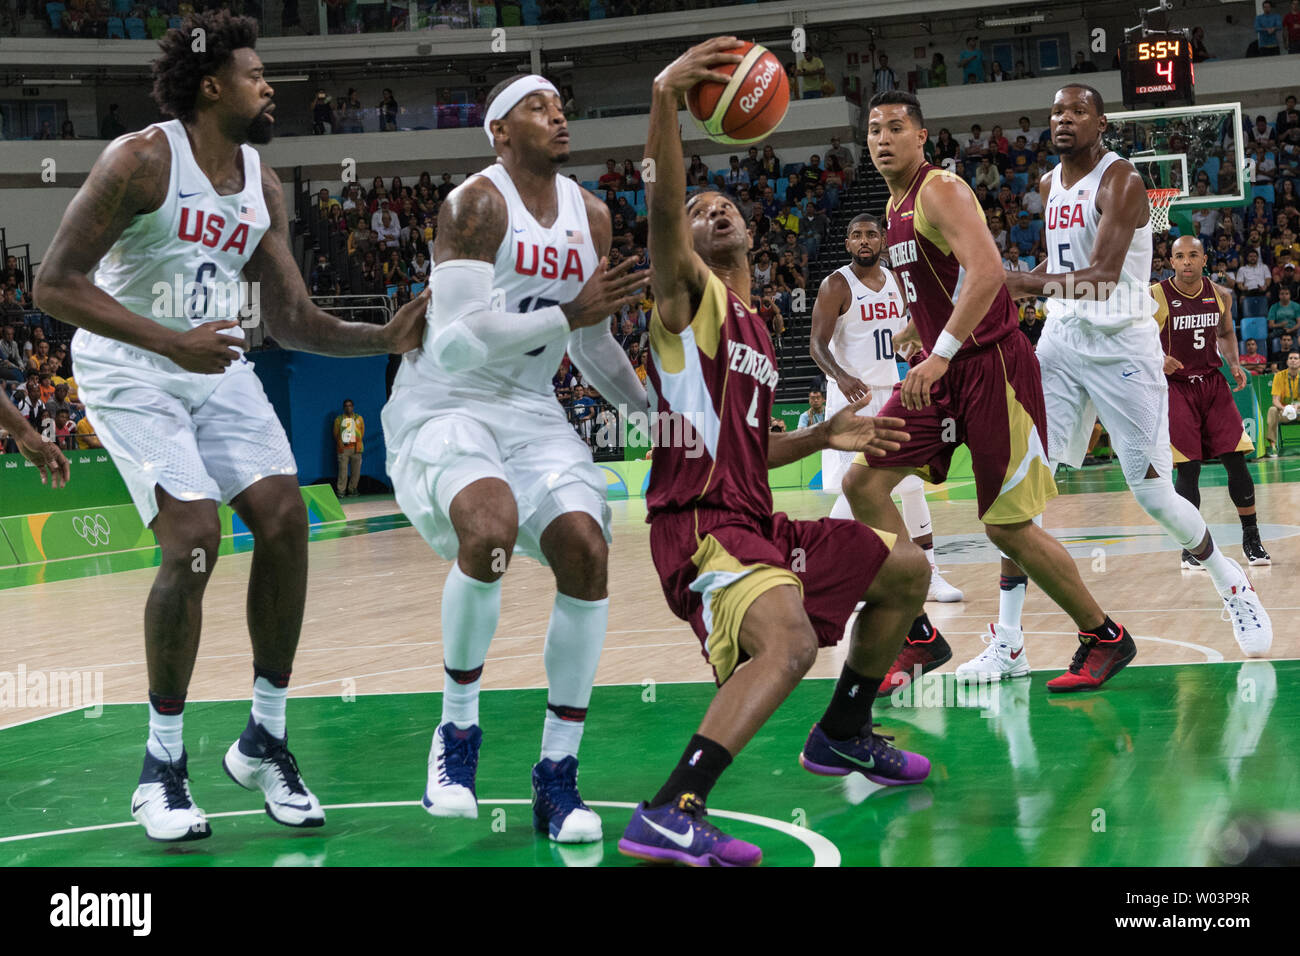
(831, 302)
(45, 455)
(298, 323)
(593, 348)
(1227, 337)
(1122, 199)
(130, 178)
(846, 430)
(680, 274)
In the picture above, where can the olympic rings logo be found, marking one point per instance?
(93, 529)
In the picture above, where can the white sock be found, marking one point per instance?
(1011, 603)
(841, 508)
(470, 609)
(929, 556)
(1224, 572)
(574, 639)
(165, 735)
(268, 706)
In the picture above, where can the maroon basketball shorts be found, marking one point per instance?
(1203, 419)
(991, 401)
(713, 564)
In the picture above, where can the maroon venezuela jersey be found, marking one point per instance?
(712, 389)
(1189, 326)
(930, 274)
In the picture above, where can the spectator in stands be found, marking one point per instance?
(938, 70)
(697, 174)
(750, 164)
(996, 74)
(1012, 261)
(1199, 53)
(394, 269)
(631, 177)
(764, 269)
(1020, 156)
(111, 127)
(1286, 241)
(86, 437)
(986, 174)
(611, 178)
(323, 280)
(998, 144)
(1268, 28)
(767, 305)
(583, 412)
(1277, 357)
(322, 114)
(794, 189)
(387, 234)
(1024, 236)
(945, 147)
(388, 110)
(838, 152)
(1160, 270)
(445, 187)
(1251, 360)
(349, 434)
(31, 406)
(1291, 33)
(11, 356)
(885, 78)
(1286, 391)
(420, 267)
(40, 355)
(1284, 314)
(816, 412)
(1022, 72)
(46, 132)
(997, 228)
(67, 131)
(811, 174)
(1032, 316)
(1032, 201)
(1082, 64)
(11, 309)
(735, 175)
(978, 144)
(1254, 281)
(971, 62)
(811, 72)
(59, 402)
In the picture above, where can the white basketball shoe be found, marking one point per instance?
(258, 761)
(941, 590)
(1251, 625)
(163, 805)
(1004, 655)
(453, 763)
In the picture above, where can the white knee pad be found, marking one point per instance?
(1178, 516)
(916, 513)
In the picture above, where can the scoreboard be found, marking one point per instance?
(1156, 70)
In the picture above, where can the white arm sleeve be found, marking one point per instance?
(605, 365)
(464, 332)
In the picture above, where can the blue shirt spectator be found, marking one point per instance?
(816, 413)
(1022, 234)
(1268, 25)
(971, 62)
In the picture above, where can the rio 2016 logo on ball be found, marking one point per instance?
(750, 106)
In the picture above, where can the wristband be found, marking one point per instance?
(946, 346)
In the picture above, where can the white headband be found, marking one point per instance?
(511, 96)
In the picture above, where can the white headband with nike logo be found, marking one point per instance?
(510, 97)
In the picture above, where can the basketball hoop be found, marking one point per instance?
(1160, 200)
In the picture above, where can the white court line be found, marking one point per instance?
(825, 853)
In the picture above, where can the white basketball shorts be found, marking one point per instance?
(433, 455)
(835, 463)
(1118, 378)
(195, 436)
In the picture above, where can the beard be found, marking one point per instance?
(260, 130)
(866, 262)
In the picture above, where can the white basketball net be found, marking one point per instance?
(1160, 200)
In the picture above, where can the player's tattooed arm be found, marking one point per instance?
(831, 302)
(130, 178)
(471, 223)
(680, 273)
(294, 320)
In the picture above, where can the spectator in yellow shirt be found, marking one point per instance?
(1286, 391)
(349, 429)
(86, 435)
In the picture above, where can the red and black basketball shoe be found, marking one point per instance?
(1096, 661)
(924, 649)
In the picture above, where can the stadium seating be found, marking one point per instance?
(55, 12)
(135, 29)
(1256, 327)
(116, 30)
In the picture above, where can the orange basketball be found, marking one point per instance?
(748, 108)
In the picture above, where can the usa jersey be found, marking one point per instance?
(712, 390)
(931, 275)
(536, 266)
(1072, 223)
(182, 264)
(863, 342)
(1189, 326)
